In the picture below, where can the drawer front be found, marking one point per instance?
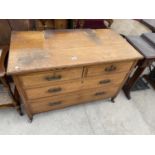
(76, 85)
(52, 90)
(109, 68)
(104, 80)
(49, 77)
(61, 101)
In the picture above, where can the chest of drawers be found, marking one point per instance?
(56, 69)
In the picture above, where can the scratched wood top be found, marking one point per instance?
(39, 50)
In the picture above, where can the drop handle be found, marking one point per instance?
(54, 90)
(105, 81)
(100, 93)
(110, 69)
(51, 78)
(54, 103)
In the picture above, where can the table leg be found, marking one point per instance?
(131, 81)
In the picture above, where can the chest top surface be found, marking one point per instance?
(39, 50)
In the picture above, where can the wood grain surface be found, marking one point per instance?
(107, 81)
(61, 101)
(39, 50)
(50, 77)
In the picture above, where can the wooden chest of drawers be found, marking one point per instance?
(56, 69)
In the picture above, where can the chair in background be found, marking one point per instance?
(8, 97)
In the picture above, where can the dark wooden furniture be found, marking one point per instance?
(149, 23)
(5, 32)
(8, 25)
(91, 23)
(56, 69)
(145, 44)
(8, 98)
(21, 24)
(44, 24)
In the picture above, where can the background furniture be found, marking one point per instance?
(7, 97)
(145, 44)
(90, 23)
(43, 24)
(5, 32)
(55, 69)
(21, 24)
(8, 25)
(149, 23)
(128, 27)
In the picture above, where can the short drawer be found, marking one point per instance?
(49, 77)
(109, 68)
(62, 101)
(106, 81)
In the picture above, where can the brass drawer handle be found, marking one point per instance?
(51, 78)
(54, 90)
(110, 69)
(54, 103)
(100, 93)
(105, 81)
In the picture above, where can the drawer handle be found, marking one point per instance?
(51, 78)
(105, 81)
(54, 103)
(110, 69)
(100, 93)
(54, 90)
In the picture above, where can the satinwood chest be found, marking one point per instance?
(56, 69)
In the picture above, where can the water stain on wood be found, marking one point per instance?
(92, 35)
(50, 33)
(30, 56)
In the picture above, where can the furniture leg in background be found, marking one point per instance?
(17, 99)
(6, 93)
(133, 79)
(145, 44)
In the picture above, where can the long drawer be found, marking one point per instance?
(62, 101)
(109, 68)
(50, 77)
(76, 85)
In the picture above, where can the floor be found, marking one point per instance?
(135, 116)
